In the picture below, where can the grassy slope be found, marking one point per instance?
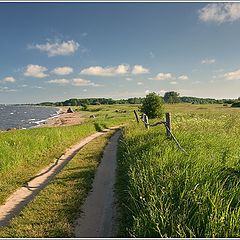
(24, 152)
(53, 211)
(170, 194)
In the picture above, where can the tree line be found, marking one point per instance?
(169, 97)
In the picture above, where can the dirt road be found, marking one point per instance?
(98, 218)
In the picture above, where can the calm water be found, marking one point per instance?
(12, 116)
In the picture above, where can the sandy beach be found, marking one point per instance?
(64, 119)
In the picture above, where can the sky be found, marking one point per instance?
(57, 51)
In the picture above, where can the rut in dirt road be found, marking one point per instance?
(99, 211)
(21, 197)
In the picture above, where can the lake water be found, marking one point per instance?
(22, 116)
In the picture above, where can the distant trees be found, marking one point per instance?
(152, 105)
(171, 97)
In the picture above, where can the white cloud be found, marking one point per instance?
(57, 48)
(74, 82)
(62, 70)
(129, 79)
(173, 83)
(183, 77)
(62, 81)
(139, 69)
(208, 61)
(35, 71)
(220, 12)
(147, 91)
(235, 75)
(139, 83)
(163, 76)
(106, 71)
(9, 79)
(6, 89)
(83, 82)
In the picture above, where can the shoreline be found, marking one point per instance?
(60, 118)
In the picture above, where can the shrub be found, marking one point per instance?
(152, 106)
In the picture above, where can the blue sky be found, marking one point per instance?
(56, 51)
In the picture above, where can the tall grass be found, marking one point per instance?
(165, 193)
(24, 152)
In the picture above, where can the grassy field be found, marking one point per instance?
(24, 152)
(166, 193)
(53, 211)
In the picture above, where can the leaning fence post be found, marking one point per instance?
(145, 119)
(136, 116)
(168, 124)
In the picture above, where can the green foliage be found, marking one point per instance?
(171, 97)
(236, 104)
(165, 193)
(152, 106)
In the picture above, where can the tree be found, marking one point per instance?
(171, 97)
(152, 106)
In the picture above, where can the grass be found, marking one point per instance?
(164, 193)
(53, 211)
(24, 153)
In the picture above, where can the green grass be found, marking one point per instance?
(53, 211)
(24, 153)
(165, 193)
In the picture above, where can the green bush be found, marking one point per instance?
(236, 104)
(152, 106)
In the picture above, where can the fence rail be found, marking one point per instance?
(166, 123)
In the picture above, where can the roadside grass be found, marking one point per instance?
(53, 212)
(23, 153)
(164, 193)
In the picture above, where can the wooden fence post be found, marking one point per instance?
(145, 119)
(168, 124)
(136, 116)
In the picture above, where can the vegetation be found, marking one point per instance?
(165, 193)
(171, 97)
(60, 201)
(236, 104)
(152, 106)
(25, 152)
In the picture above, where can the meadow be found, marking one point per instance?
(162, 192)
(23, 153)
(171, 194)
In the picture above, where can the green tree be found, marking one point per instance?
(152, 105)
(171, 97)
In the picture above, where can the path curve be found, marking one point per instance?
(98, 218)
(21, 197)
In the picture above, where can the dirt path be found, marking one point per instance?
(99, 212)
(19, 199)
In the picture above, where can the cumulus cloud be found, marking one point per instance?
(57, 48)
(62, 81)
(139, 83)
(35, 71)
(74, 82)
(235, 75)
(173, 83)
(139, 69)
(220, 12)
(129, 79)
(9, 79)
(106, 71)
(183, 77)
(83, 82)
(163, 76)
(62, 70)
(208, 61)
